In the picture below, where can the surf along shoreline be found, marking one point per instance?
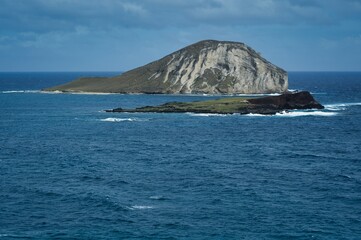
(242, 105)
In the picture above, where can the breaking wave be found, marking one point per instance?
(157, 197)
(255, 94)
(293, 90)
(53, 92)
(123, 120)
(329, 111)
(306, 113)
(20, 91)
(340, 106)
(208, 114)
(296, 114)
(140, 207)
(76, 93)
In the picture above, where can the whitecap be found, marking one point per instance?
(257, 115)
(305, 113)
(295, 114)
(207, 114)
(12, 91)
(340, 106)
(140, 207)
(157, 197)
(21, 91)
(77, 93)
(255, 94)
(51, 92)
(123, 120)
(293, 90)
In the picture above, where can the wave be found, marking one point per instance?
(140, 207)
(331, 110)
(293, 90)
(296, 114)
(77, 93)
(257, 115)
(123, 120)
(20, 91)
(254, 94)
(208, 114)
(157, 197)
(53, 92)
(306, 113)
(340, 106)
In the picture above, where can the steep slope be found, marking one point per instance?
(205, 67)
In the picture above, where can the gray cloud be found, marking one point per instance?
(65, 15)
(142, 30)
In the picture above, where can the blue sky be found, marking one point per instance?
(118, 35)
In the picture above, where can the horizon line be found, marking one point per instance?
(117, 71)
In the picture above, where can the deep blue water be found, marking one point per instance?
(70, 170)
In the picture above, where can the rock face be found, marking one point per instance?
(299, 100)
(241, 105)
(205, 67)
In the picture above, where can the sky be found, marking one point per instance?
(118, 35)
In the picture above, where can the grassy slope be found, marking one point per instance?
(224, 105)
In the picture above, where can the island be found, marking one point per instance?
(205, 67)
(241, 105)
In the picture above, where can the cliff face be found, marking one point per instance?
(204, 67)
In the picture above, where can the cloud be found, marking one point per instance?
(45, 15)
(142, 30)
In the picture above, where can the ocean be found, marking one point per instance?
(69, 170)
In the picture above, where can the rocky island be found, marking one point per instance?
(241, 105)
(206, 67)
(211, 67)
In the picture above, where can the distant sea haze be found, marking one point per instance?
(70, 170)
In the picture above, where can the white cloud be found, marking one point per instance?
(134, 8)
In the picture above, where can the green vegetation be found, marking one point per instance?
(242, 105)
(224, 105)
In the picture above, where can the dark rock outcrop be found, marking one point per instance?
(299, 100)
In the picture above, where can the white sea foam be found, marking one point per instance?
(51, 92)
(140, 207)
(76, 93)
(157, 197)
(293, 90)
(306, 113)
(21, 91)
(207, 114)
(257, 115)
(340, 106)
(123, 120)
(296, 114)
(255, 94)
